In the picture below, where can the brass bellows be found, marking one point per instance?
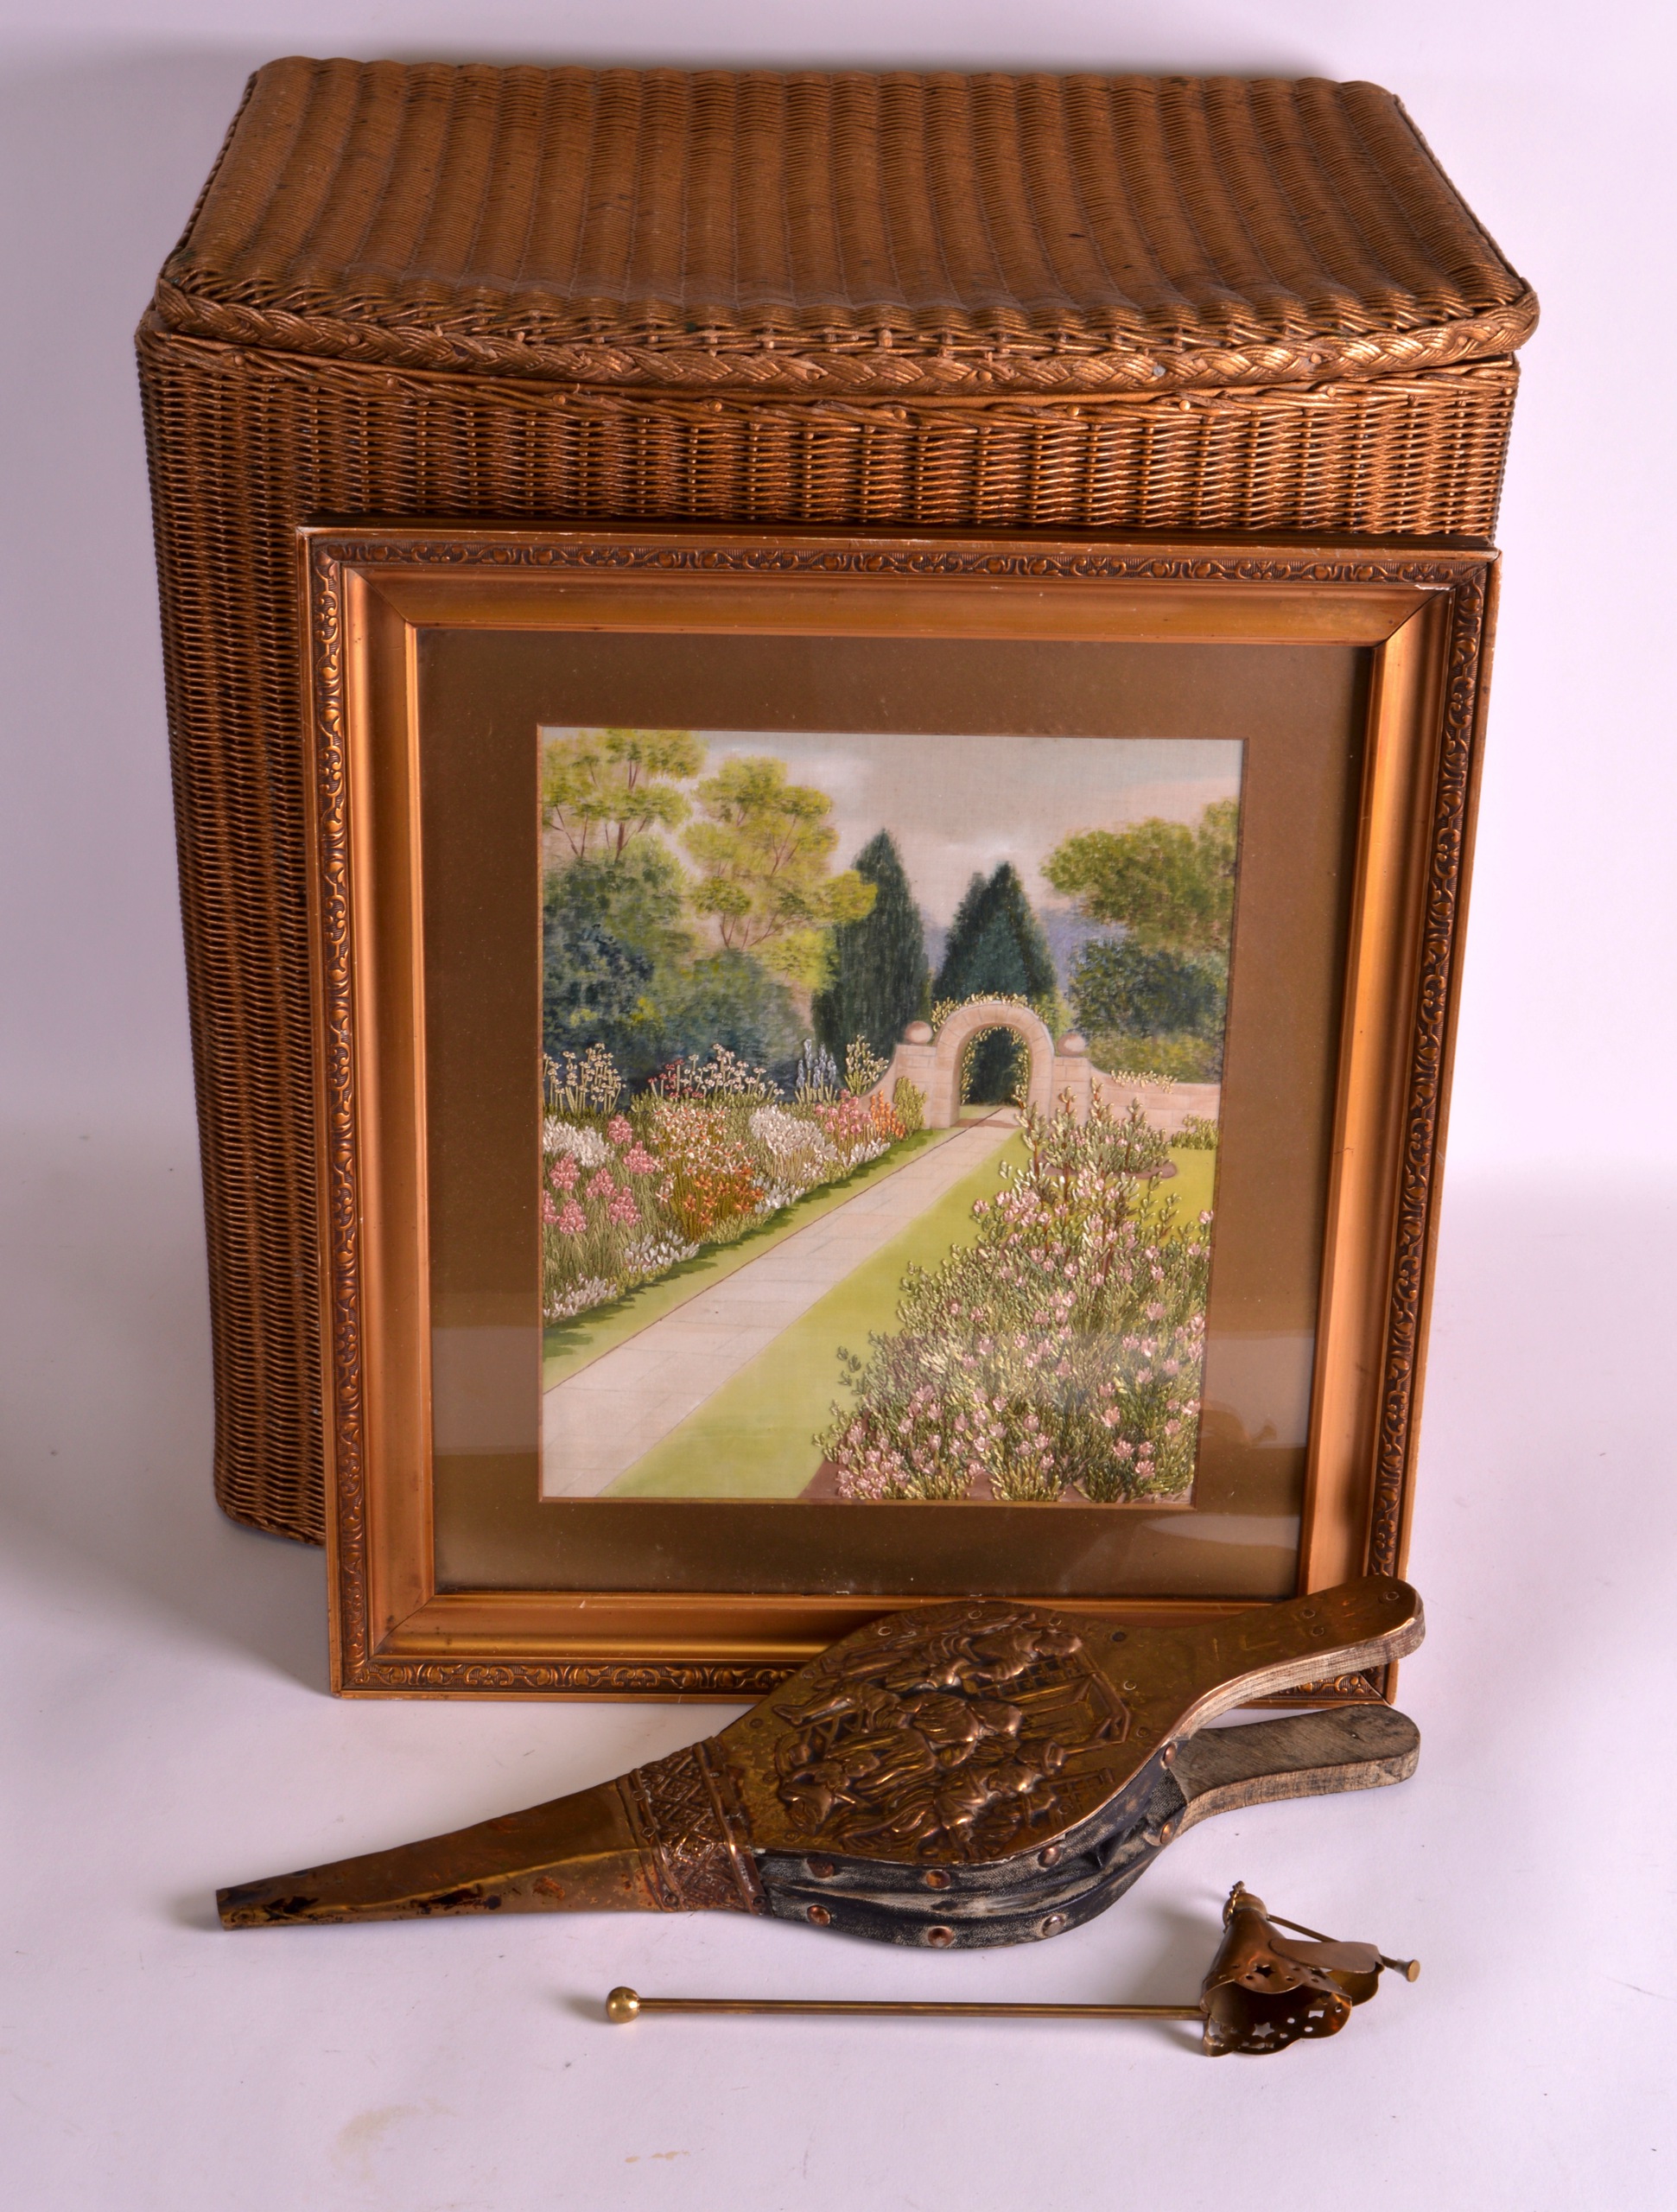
(959, 1776)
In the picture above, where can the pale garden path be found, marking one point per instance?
(596, 1424)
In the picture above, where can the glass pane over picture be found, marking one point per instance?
(781, 993)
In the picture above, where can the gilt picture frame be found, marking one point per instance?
(594, 1429)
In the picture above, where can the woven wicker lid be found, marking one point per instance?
(839, 233)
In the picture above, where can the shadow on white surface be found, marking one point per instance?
(195, 1910)
(105, 1427)
(105, 1404)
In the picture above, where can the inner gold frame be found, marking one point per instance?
(1421, 611)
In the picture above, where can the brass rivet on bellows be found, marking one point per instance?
(1050, 1857)
(820, 1915)
(821, 1869)
(1053, 1924)
(940, 1938)
(937, 1878)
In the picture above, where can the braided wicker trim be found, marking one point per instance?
(534, 397)
(597, 1678)
(911, 365)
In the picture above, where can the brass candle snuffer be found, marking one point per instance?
(969, 1774)
(1263, 1990)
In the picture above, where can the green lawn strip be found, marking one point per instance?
(1192, 1186)
(572, 1345)
(754, 1439)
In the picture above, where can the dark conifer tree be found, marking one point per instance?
(879, 981)
(962, 942)
(1040, 980)
(995, 945)
(995, 941)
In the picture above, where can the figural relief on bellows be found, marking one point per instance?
(954, 1736)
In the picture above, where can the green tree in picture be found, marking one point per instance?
(615, 951)
(1171, 887)
(995, 942)
(640, 897)
(996, 945)
(1158, 998)
(1127, 986)
(764, 846)
(602, 788)
(878, 979)
(730, 999)
(593, 992)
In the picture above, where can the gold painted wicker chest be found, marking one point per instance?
(1115, 303)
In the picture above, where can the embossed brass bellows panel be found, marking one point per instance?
(977, 1773)
(956, 1735)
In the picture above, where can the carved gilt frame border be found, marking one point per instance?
(1424, 610)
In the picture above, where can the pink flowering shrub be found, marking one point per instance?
(1059, 1356)
(594, 1224)
(860, 1129)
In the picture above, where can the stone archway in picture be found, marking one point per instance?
(933, 1063)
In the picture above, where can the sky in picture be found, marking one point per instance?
(957, 803)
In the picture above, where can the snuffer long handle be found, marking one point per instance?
(625, 2005)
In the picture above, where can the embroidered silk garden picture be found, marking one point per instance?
(881, 1081)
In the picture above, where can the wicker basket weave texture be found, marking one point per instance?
(557, 296)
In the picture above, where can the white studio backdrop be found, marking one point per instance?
(163, 1704)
